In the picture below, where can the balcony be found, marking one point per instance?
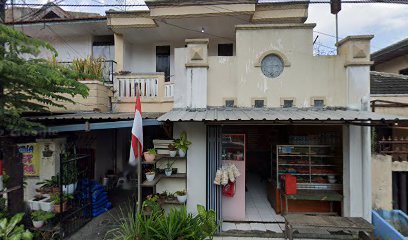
(156, 94)
(108, 68)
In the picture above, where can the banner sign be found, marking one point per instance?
(31, 159)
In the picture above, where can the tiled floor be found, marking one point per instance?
(258, 207)
(260, 216)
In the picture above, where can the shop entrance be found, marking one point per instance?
(264, 154)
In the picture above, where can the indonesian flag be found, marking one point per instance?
(137, 134)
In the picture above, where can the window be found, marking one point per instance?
(404, 71)
(287, 103)
(259, 103)
(103, 47)
(318, 103)
(163, 61)
(229, 103)
(226, 49)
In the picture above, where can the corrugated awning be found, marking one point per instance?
(95, 116)
(277, 115)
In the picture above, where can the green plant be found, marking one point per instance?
(169, 164)
(152, 151)
(89, 68)
(177, 224)
(41, 215)
(45, 83)
(172, 147)
(181, 193)
(69, 173)
(171, 196)
(163, 194)
(182, 143)
(208, 221)
(49, 183)
(151, 204)
(56, 198)
(10, 231)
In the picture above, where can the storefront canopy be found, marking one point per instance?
(281, 115)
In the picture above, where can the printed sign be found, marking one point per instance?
(31, 159)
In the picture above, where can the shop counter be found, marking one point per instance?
(311, 195)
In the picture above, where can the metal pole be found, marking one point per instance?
(337, 29)
(139, 179)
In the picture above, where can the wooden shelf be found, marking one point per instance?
(7, 190)
(175, 201)
(152, 183)
(163, 157)
(176, 175)
(307, 165)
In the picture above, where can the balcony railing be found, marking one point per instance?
(169, 89)
(108, 70)
(127, 87)
(150, 86)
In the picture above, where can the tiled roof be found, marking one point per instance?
(392, 51)
(388, 83)
(275, 114)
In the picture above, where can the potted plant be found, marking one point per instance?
(40, 217)
(49, 185)
(181, 196)
(163, 195)
(150, 174)
(35, 202)
(57, 200)
(171, 197)
(172, 150)
(69, 177)
(169, 170)
(150, 155)
(151, 204)
(182, 144)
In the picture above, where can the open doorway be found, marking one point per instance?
(310, 154)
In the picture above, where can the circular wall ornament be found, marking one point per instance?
(272, 65)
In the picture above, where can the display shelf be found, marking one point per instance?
(312, 163)
(306, 165)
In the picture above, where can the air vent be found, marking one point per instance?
(259, 103)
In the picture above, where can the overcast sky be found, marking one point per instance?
(388, 22)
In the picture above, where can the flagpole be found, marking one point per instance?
(139, 179)
(139, 170)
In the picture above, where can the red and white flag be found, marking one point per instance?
(136, 147)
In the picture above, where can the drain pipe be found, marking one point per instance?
(366, 164)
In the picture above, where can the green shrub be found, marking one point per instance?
(10, 231)
(178, 224)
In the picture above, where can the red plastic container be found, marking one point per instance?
(289, 184)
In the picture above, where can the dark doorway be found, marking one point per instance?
(163, 61)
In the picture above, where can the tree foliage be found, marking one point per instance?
(31, 84)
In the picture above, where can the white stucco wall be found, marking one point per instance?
(382, 182)
(180, 80)
(196, 163)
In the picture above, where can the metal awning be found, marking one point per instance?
(95, 116)
(279, 115)
(88, 121)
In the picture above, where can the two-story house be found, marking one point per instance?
(240, 78)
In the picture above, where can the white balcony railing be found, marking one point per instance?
(126, 87)
(169, 90)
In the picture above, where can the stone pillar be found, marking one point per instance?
(197, 73)
(119, 51)
(355, 51)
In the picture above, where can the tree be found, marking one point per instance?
(31, 84)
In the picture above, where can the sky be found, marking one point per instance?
(387, 22)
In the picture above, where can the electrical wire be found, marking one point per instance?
(63, 40)
(260, 3)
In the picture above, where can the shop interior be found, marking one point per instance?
(311, 154)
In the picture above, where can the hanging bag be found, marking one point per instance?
(229, 189)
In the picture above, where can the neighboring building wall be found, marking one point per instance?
(98, 99)
(400, 98)
(68, 47)
(382, 182)
(196, 163)
(393, 65)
